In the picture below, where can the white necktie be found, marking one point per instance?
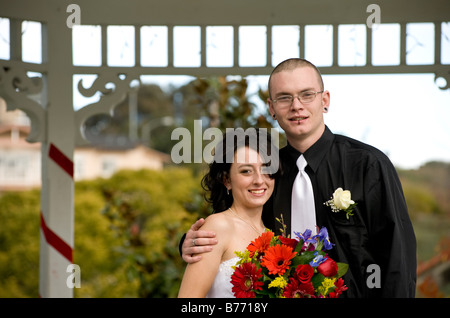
(303, 211)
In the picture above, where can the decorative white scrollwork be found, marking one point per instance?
(110, 98)
(445, 76)
(23, 92)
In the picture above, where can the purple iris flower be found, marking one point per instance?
(322, 236)
(317, 260)
(305, 236)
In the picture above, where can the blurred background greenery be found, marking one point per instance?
(128, 227)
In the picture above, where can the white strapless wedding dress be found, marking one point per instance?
(221, 288)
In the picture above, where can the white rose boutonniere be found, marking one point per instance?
(341, 201)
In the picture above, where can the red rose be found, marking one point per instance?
(304, 273)
(288, 241)
(328, 268)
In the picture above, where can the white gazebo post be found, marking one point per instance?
(52, 124)
(57, 195)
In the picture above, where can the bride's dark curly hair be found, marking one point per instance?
(213, 181)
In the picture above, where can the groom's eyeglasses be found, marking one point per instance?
(287, 100)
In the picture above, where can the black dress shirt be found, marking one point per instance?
(380, 231)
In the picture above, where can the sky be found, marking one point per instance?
(404, 115)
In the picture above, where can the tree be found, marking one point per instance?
(220, 102)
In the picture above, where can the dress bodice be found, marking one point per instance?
(221, 287)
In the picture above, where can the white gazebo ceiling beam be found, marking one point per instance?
(248, 12)
(236, 13)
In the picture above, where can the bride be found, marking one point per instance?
(237, 190)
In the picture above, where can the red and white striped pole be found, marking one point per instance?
(57, 237)
(57, 193)
(51, 238)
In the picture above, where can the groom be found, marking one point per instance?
(378, 240)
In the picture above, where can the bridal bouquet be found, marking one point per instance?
(281, 267)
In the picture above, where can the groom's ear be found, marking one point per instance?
(271, 108)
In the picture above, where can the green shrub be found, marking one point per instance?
(127, 229)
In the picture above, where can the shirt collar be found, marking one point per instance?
(316, 152)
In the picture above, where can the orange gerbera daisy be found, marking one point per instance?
(260, 244)
(277, 259)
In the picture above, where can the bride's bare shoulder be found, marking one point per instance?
(218, 222)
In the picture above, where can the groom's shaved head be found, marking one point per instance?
(292, 64)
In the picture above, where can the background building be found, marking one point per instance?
(20, 161)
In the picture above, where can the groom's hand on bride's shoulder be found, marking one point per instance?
(197, 242)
